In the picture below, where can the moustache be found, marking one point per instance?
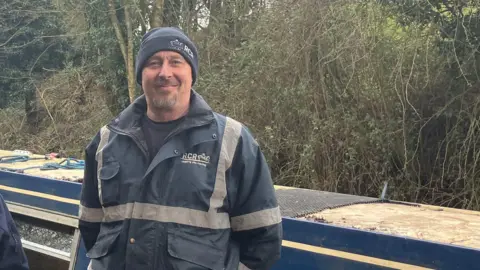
(161, 82)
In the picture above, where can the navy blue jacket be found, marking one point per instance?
(12, 256)
(206, 201)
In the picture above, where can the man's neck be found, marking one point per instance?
(165, 115)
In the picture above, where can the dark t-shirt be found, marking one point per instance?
(156, 132)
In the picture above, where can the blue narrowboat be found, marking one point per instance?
(322, 230)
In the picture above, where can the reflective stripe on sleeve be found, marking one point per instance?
(262, 218)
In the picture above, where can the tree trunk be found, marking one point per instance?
(126, 46)
(156, 19)
(118, 31)
(129, 63)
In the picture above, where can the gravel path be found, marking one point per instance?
(58, 240)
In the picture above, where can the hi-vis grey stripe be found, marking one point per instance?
(90, 214)
(181, 215)
(104, 135)
(158, 213)
(230, 139)
(262, 218)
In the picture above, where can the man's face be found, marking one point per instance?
(167, 80)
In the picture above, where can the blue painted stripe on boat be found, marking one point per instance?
(60, 188)
(43, 203)
(387, 247)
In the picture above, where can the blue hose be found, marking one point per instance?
(68, 163)
(13, 159)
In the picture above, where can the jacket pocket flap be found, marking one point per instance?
(109, 170)
(195, 250)
(105, 241)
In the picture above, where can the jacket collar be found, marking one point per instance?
(130, 118)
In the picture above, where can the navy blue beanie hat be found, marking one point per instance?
(166, 39)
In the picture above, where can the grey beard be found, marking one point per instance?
(166, 103)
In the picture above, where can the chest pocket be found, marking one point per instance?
(108, 183)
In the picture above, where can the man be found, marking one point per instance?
(12, 256)
(170, 184)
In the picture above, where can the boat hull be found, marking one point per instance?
(307, 244)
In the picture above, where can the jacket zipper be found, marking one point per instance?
(160, 260)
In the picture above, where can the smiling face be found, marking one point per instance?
(166, 82)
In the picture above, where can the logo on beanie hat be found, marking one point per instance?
(176, 44)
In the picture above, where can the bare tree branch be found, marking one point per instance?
(118, 31)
